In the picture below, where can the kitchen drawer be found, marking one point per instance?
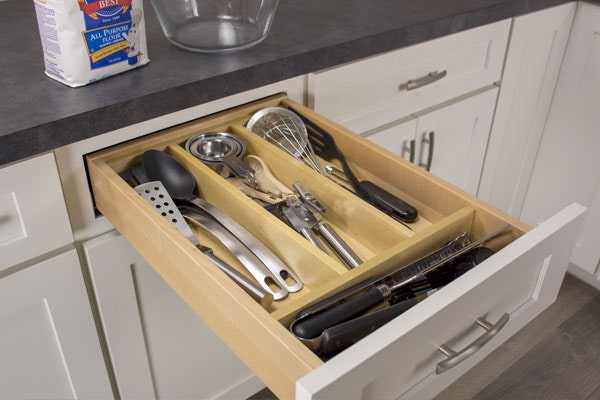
(370, 93)
(521, 279)
(33, 216)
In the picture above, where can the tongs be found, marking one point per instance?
(342, 319)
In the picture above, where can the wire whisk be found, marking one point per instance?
(285, 129)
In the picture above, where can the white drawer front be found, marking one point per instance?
(522, 280)
(33, 216)
(367, 94)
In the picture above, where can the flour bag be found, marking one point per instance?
(87, 40)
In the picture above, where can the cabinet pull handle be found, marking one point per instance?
(428, 139)
(431, 77)
(409, 146)
(455, 358)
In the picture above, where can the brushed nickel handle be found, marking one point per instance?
(409, 146)
(428, 79)
(455, 358)
(428, 138)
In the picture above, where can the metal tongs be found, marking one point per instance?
(342, 319)
(303, 212)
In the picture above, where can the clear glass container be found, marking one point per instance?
(212, 26)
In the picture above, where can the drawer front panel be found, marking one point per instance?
(368, 94)
(33, 216)
(521, 280)
(259, 336)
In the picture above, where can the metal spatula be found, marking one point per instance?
(157, 196)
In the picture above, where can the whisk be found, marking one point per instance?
(285, 129)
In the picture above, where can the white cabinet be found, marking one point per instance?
(33, 216)
(520, 280)
(159, 348)
(449, 141)
(568, 167)
(370, 93)
(533, 61)
(48, 339)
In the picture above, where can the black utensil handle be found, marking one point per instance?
(339, 337)
(312, 327)
(386, 201)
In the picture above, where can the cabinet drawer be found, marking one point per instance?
(533, 264)
(33, 216)
(370, 93)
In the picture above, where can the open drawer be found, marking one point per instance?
(520, 280)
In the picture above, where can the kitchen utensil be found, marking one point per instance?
(325, 147)
(157, 196)
(267, 182)
(303, 211)
(262, 197)
(311, 326)
(211, 26)
(346, 254)
(180, 184)
(286, 130)
(341, 336)
(222, 149)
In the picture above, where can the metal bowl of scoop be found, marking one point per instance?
(216, 149)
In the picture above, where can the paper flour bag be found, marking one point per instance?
(87, 40)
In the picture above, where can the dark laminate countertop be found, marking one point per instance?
(38, 114)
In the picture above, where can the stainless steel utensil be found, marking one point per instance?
(362, 298)
(225, 150)
(286, 130)
(157, 196)
(180, 184)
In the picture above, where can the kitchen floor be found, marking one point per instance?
(556, 356)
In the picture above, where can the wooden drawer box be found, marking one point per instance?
(521, 279)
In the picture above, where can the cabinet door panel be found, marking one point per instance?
(48, 340)
(567, 167)
(159, 348)
(461, 131)
(29, 227)
(533, 61)
(398, 138)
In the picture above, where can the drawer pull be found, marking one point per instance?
(409, 146)
(431, 77)
(455, 358)
(428, 139)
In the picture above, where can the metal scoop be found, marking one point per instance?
(156, 195)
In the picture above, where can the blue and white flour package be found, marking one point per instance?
(87, 40)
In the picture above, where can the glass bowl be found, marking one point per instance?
(214, 26)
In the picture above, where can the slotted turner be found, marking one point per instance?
(325, 147)
(157, 196)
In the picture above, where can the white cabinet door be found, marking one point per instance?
(567, 168)
(33, 216)
(533, 61)
(48, 342)
(158, 347)
(449, 141)
(399, 139)
(453, 139)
